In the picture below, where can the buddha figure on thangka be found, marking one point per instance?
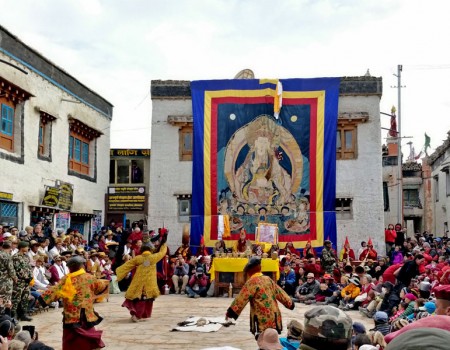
(263, 168)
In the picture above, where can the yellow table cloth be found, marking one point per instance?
(238, 264)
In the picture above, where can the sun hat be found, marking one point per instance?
(268, 340)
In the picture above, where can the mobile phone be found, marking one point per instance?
(30, 329)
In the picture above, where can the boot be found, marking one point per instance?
(26, 318)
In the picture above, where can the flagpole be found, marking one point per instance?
(400, 168)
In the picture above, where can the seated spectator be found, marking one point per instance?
(25, 337)
(410, 300)
(381, 320)
(287, 279)
(294, 335)
(349, 293)
(39, 274)
(198, 284)
(390, 298)
(308, 290)
(268, 340)
(426, 338)
(361, 340)
(327, 288)
(326, 327)
(180, 275)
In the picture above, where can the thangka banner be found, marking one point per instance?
(250, 167)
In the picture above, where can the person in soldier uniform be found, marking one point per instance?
(24, 273)
(7, 273)
(328, 259)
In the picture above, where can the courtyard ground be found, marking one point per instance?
(122, 334)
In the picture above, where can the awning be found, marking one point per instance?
(82, 215)
(43, 209)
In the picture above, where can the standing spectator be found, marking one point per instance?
(409, 271)
(389, 238)
(7, 272)
(328, 257)
(400, 238)
(24, 273)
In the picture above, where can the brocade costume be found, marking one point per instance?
(263, 294)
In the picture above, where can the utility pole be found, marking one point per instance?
(399, 138)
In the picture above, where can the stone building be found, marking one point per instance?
(439, 162)
(54, 141)
(359, 195)
(127, 197)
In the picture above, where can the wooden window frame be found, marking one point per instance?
(7, 139)
(41, 139)
(75, 164)
(185, 154)
(344, 212)
(407, 202)
(436, 188)
(344, 153)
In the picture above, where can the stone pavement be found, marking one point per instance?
(122, 334)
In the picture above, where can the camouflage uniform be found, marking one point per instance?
(326, 327)
(328, 260)
(7, 275)
(21, 292)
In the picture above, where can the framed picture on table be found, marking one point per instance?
(267, 233)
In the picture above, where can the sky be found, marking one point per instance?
(116, 47)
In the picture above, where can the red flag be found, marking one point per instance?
(346, 241)
(370, 242)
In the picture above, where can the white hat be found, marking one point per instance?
(6, 235)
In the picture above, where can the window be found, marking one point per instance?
(7, 128)
(126, 171)
(411, 198)
(41, 138)
(12, 102)
(82, 149)
(386, 196)
(436, 188)
(344, 209)
(186, 143)
(447, 183)
(45, 136)
(79, 154)
(9, 213)
(346, 142)
(184, 207)
(346, 138)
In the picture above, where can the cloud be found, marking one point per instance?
(116, 47)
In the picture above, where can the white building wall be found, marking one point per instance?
(169, 175)
(27, 181)
(441, 207)
(361, 178)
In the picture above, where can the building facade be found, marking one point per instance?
(127, 196)
(54, 142)
(439, 162)
(359, 196)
